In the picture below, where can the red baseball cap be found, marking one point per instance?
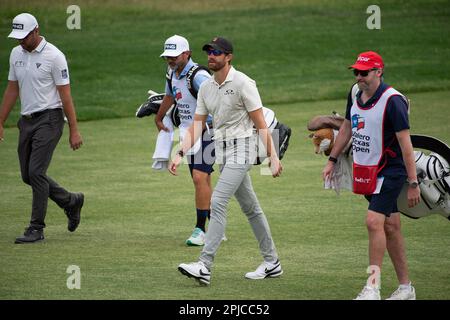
(368, 60)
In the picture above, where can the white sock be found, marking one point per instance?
(405, 286)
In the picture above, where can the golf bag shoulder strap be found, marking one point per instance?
(354, 91)
(189, 78)
(432, 144)
(169, 75)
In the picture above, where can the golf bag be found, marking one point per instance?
(151, 106)
(280, 132)
(433, 175)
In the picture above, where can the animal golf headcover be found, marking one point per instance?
(323, 140)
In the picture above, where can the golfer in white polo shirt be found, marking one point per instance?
(233, 100)
(39, 75)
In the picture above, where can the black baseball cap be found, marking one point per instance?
(219, 43)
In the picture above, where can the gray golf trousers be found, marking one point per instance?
(38, 138)
(235, 159)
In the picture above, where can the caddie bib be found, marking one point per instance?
(367, 142)
(186, 103)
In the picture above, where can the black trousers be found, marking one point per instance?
(38, 138)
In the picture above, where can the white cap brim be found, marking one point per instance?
(171, 53)
(18, 34)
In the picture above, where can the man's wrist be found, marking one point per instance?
(73, 127)
(413, 184)
(332, 159)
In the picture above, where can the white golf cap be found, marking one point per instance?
(174, 46)
(22, 25)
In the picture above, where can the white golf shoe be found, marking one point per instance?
(408, 293)
(369, 293)
(196, 270)
(266, 270)
(197, 238)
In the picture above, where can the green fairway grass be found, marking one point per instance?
(135, 220)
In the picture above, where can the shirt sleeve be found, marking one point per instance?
(199, 78)
(12, 71)
(397, 113)
(250, 96)
(60, 70)
(201, 106)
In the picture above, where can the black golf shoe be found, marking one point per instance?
(31, 235)
(73, 212)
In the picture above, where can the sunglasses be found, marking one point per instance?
(214, 52)
(363, 73)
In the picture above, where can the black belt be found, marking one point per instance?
(35, 115)
(233, 142)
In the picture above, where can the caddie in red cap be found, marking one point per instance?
(383, 163)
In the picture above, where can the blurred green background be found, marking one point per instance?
(295, 50)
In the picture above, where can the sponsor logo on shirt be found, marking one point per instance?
(19, 63)
(178, 95)
(229, 92)
(64, 74)
(38, 65)
(358, 122)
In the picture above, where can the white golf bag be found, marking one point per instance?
(433, 174)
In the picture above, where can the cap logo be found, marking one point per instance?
(17, 26)
(171, 46)
(364, 59)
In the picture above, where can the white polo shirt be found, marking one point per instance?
(229, 104)
(38, 73)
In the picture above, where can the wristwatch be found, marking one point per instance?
(413, 184)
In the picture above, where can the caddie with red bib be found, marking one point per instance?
(371, 146)
(383, 162)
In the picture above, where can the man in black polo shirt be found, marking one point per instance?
(383, 161)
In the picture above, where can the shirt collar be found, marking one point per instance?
(40, 46)
(187, 67)
(381, 88)
(230, 75)
(229, 78)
